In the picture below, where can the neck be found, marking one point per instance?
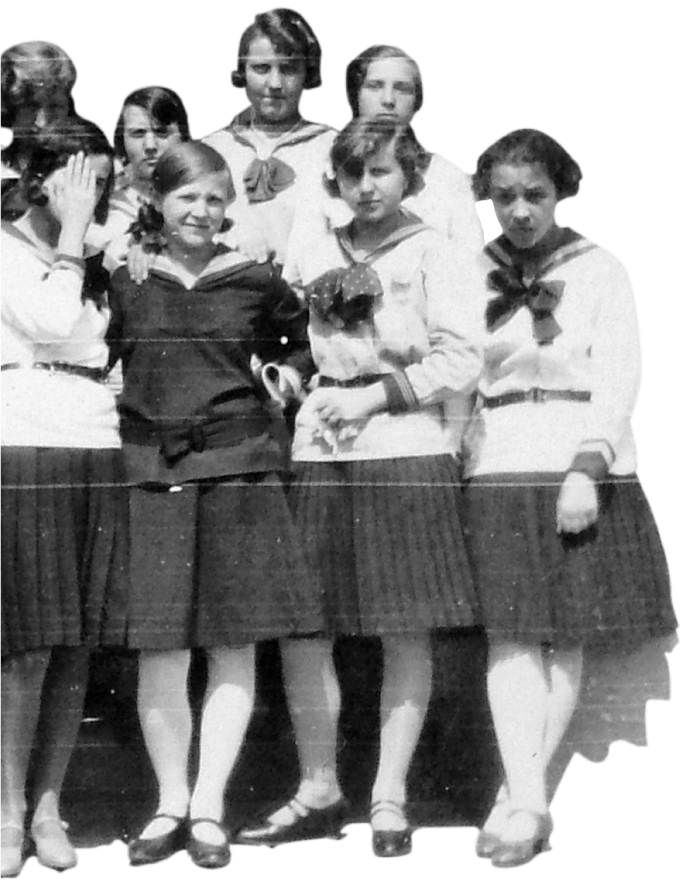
(40, 225)
(273, 129)
(193, 260)
(143, 187)
(365, 234)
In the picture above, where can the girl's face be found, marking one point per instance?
(378, 192)
(53, 185)
(145, 141)
(274, 83)
(389, 90)
(194, 212)
(524, 199)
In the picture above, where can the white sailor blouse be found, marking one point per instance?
(270, 174)
(46, 321)
(561, 362)
(409, 315)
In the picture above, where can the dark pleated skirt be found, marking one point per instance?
(64, 547)
(216, 563)
(384, 540)
(608, 586)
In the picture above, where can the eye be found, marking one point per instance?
(405, 88)
(536, 196)
(289, 68)
(136, 133)
(503, 197)
(260, 68)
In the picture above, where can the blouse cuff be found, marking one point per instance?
(590, 463)
(67, 261)
(400, 395)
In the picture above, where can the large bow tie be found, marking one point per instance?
(541, 298)
(344, 296)
(265, 178)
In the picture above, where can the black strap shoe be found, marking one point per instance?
(391, 843)
(149, 851)
(306, 823)
(207, 854)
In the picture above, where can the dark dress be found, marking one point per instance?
(214, 555)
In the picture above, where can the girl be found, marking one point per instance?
(393, 326)
(215, 562)
(63, 506)
(271, 150)
(565, 546)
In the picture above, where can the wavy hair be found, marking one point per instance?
(532, 147)
(290, 35)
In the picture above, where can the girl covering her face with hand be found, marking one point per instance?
(394, 324)
(565, 548)
(64, 511)
(215, 561)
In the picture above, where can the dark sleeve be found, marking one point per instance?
(285, 322)
(118, 284)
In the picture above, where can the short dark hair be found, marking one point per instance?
(164, 107)
(528, 146)
(183, 163)
(358, 68)
(291, 35)
(45, 65)
(362, 138)
(49, 149)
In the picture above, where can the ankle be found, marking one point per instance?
(319, 792)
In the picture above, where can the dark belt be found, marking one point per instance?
(354, 383)
(535, 396)
(176, 443)
(98, 375)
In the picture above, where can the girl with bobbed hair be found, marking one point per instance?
(64, 511)
(395, 315)
(565, 548)
(271, 150)
(215, 560)
(37, 79)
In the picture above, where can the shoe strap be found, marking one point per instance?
(387, 805)
(299, 808)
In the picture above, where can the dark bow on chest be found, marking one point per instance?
(541, 299)
(345, 296)
(265, 178)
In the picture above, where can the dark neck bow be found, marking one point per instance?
(541, 298)
(345, 296)
(264, 179)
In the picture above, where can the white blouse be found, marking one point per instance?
(425, 326)
(597, 351)
(45, 320)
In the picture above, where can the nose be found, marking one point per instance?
(150, 142)
(274, 78)
(520, 211)
(387, 97)
(200, 208)
(41, 118)
(366, 182)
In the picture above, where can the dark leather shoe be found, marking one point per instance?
(158, 848)
(207, 854)
(391, 843)
(52, 846)
(514, 854)
(307, 823)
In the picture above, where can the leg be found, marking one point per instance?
(407, 681)
(165, 718)
(22, 682)
(60, 716)
(564, 668)
(227, 708)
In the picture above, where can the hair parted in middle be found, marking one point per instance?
(528, 146)
(164, 107)
(49, 149)
(362, 139)
(290, 35)
(357, 70)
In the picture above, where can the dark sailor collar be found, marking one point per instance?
(557, 247)
(225, 263)
(412, 225)
(242, 130)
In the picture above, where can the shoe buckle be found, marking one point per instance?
(539, 396)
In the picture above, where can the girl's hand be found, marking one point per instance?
(335, 407)
(139, 262)
(74, 193)
(577, 506)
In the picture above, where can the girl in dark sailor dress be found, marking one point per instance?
(395, 315)
(215, 561)
(565, 548)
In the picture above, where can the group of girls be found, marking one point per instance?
(278, 261)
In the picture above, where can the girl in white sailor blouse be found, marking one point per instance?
(274, 154)
(64, 508)
(395, 320)
(564, 545)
